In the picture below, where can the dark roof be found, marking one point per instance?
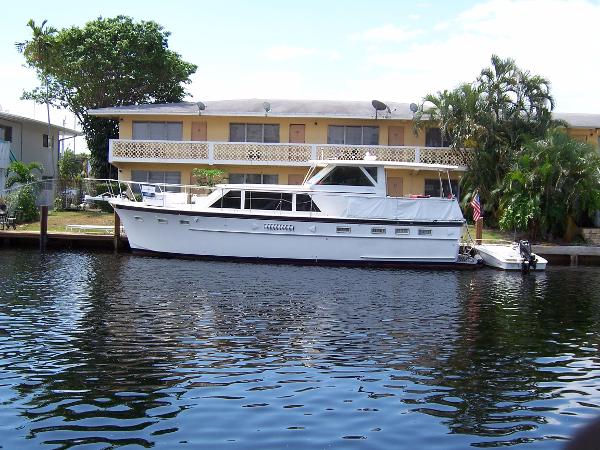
(255, 107)
(15, 118)
(579, 120)
(299, 108)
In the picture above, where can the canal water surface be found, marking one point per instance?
(101, 351)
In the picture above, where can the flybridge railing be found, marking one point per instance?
(105, 189)
(283, 154)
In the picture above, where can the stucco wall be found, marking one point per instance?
(315, 129)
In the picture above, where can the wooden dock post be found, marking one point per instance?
(479, 230)
(117, 232)
(43, 227)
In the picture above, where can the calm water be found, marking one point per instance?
(100, 351)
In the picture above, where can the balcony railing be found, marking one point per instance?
(281, 154)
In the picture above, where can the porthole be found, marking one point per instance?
(161, 220)
(402, 231)
(343, 230)
(377, 230)
(184, 222)
(424, 232)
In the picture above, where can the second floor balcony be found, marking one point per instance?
(279, 154)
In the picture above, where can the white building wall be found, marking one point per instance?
(27, 144)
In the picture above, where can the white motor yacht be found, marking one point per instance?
(340, 214)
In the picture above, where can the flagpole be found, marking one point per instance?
(478, 217)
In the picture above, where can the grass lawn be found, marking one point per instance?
(58, 220)
(489, 234)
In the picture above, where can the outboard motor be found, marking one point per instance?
(529, 260)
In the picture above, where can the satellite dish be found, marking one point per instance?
(413, 107)
(267, 107)
(201, 106)
(380, 106)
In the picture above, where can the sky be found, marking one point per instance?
(390, 50)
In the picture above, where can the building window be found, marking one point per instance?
(273, 201)
(352, 135)
(434, 138)
(156, 177)
(437, 188)
(45, 141)
(253, 132)
(346, 176)
(253, 178)
(160, 131)
(5, 133)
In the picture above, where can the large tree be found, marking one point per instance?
(553, 181)
(494, 115)
(107, 62)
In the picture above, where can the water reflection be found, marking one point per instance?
(105, 350)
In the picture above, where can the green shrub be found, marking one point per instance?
(26, 203)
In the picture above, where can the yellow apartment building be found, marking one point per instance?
(272, 141)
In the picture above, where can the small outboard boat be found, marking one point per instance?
(514, 256)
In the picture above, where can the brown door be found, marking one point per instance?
(396, 136)
(394, 187)
(297, 133)
(199, 131)
(295, 178)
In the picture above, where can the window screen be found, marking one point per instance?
(352, 135)
(433, 188)
(434, 138)
(253, 132)
(253, 178)
(156, 177)
(161, 131)
(5, 133)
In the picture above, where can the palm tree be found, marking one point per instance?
(38, 49)
(21, 173)
(496, 114)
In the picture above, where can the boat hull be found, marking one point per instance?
(288, 239)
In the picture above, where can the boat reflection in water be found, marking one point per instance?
(105, 350)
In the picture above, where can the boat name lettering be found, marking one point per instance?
(279, 227)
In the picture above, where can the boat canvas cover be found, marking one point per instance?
(420, 209)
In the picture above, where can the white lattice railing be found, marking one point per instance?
(233, 151)
(159, 149)
(122, 150)
(353, 152)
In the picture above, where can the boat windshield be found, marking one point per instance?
(346, 176)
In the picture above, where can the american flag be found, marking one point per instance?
(476, 205)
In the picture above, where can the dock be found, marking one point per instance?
(55, 240)
(569, 255)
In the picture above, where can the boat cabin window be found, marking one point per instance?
(273, 201)
(304, 203)
(346, 176)
(232, 199)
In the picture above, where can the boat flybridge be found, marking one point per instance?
(340, 214)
